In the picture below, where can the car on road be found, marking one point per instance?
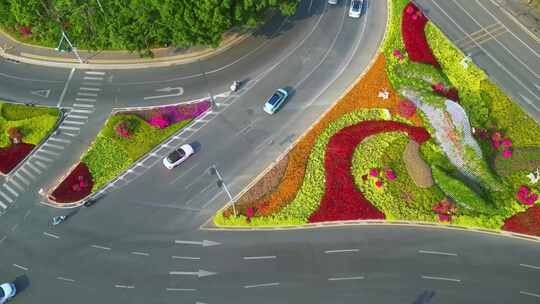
(356, 8)
(332, 1)
(7, 291)
(275, 101)
(178, 156)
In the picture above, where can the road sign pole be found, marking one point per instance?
(231, 199)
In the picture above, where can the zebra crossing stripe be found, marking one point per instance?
(8, 188)
(81, 111)
(90, 89)
(78, 116)
(16, 184)
(34, 168)
(9, 199)
(48, 152)
(94, 73)
(70, 134)
(83, 105)
(73, 122)
(87, 94)
(25, 181)
(67, 141)
(69, 128)
(42, 165)
(41, 157)
(4, 206)
(92, 78)
(23, 169)
(53, 146)
(85, 99)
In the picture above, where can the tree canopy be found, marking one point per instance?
(135, 25)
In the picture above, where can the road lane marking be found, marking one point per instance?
(20, 267)
(23, 169)
(100, 247)
(185, 257)
(65, 279)
(87, 94)
(262, 285)
(9, 199)
(267, 257)
(8, 188)
(437, 252)
(82, 111)
(341, 250)
(34, 168)
(4, 206)
(16, 184)
(90, 89)
(346, 278)
(125, 286)
(51, 235)
(94, 73)
(67, 141)
(70, 134)
(14, 227)
(53, 146)
(530, 294)
(77, 116)
(26, 215)
(440, 278)
(180, 289)
(92, 84)
(3, 239)
(140, 253)
(65, 88)
(48, 152)
(530, 266)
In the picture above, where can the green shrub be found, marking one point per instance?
(105, 159)
(460, 193)
(12, 111)
(523, 159)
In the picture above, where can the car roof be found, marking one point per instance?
(275, 98)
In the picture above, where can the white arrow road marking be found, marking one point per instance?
(204, 243)
(201, 273)
(42, 93)
(179, 92)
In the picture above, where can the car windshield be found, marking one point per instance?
(356, 5)
(274, 99)
(2, 294)
(176, 155)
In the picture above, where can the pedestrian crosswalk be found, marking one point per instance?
(84, 104)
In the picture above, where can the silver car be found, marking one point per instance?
(178, 156)
(7, 291)
(332, 1)
(356, 8)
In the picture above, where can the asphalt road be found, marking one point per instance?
(509, 55)
(123, 249)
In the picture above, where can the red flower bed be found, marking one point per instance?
(451, 93)
(76, 186)
(527, 222)
(414, 38)
(12, 155)
(342, 201)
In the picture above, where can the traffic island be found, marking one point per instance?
(22, 128)
(126, 137)
(421, 81)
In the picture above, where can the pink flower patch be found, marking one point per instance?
(374, 172)
(444, 217)
(390, 174)
(507, 153)
(506, 142)
(378, 183)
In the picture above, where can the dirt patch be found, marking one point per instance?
(417, 168)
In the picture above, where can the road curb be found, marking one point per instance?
(132, 64)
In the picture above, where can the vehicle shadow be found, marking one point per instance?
(425, 297)
(21, 283)
(196, 146)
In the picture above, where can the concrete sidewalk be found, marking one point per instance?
(524, 12)
(14, 50)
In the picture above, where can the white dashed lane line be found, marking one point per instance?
(267, 257)
(65, 279)
(346, 278)
(20, 267)
(440, 278)
(530, 266)
(437, 252)
(341, 251)
(51, 235)
(140, 253)
(530, 294)
(262, 285)
(100, 247)
(180, 289)
(185, 257)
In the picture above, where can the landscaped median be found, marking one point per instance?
(125, 138)
(22, 127)
(425, 136)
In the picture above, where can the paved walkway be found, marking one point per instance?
(524, 12)
(12, 49)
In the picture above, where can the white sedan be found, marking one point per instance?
(7, 291)
(178, 156)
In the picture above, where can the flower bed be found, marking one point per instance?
(76, 186)
(342, 200)
(125, 138)
(412, 29)
(22, 128)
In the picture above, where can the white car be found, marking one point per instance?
(356, 8)
(332, 1)
(178, 156)
(7, 291)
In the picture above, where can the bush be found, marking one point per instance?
(523, 159)
(15, 134)
(124, 128)
(460, 193)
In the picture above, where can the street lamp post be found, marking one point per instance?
(220, 182)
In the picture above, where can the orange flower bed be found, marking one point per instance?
(363, 95)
